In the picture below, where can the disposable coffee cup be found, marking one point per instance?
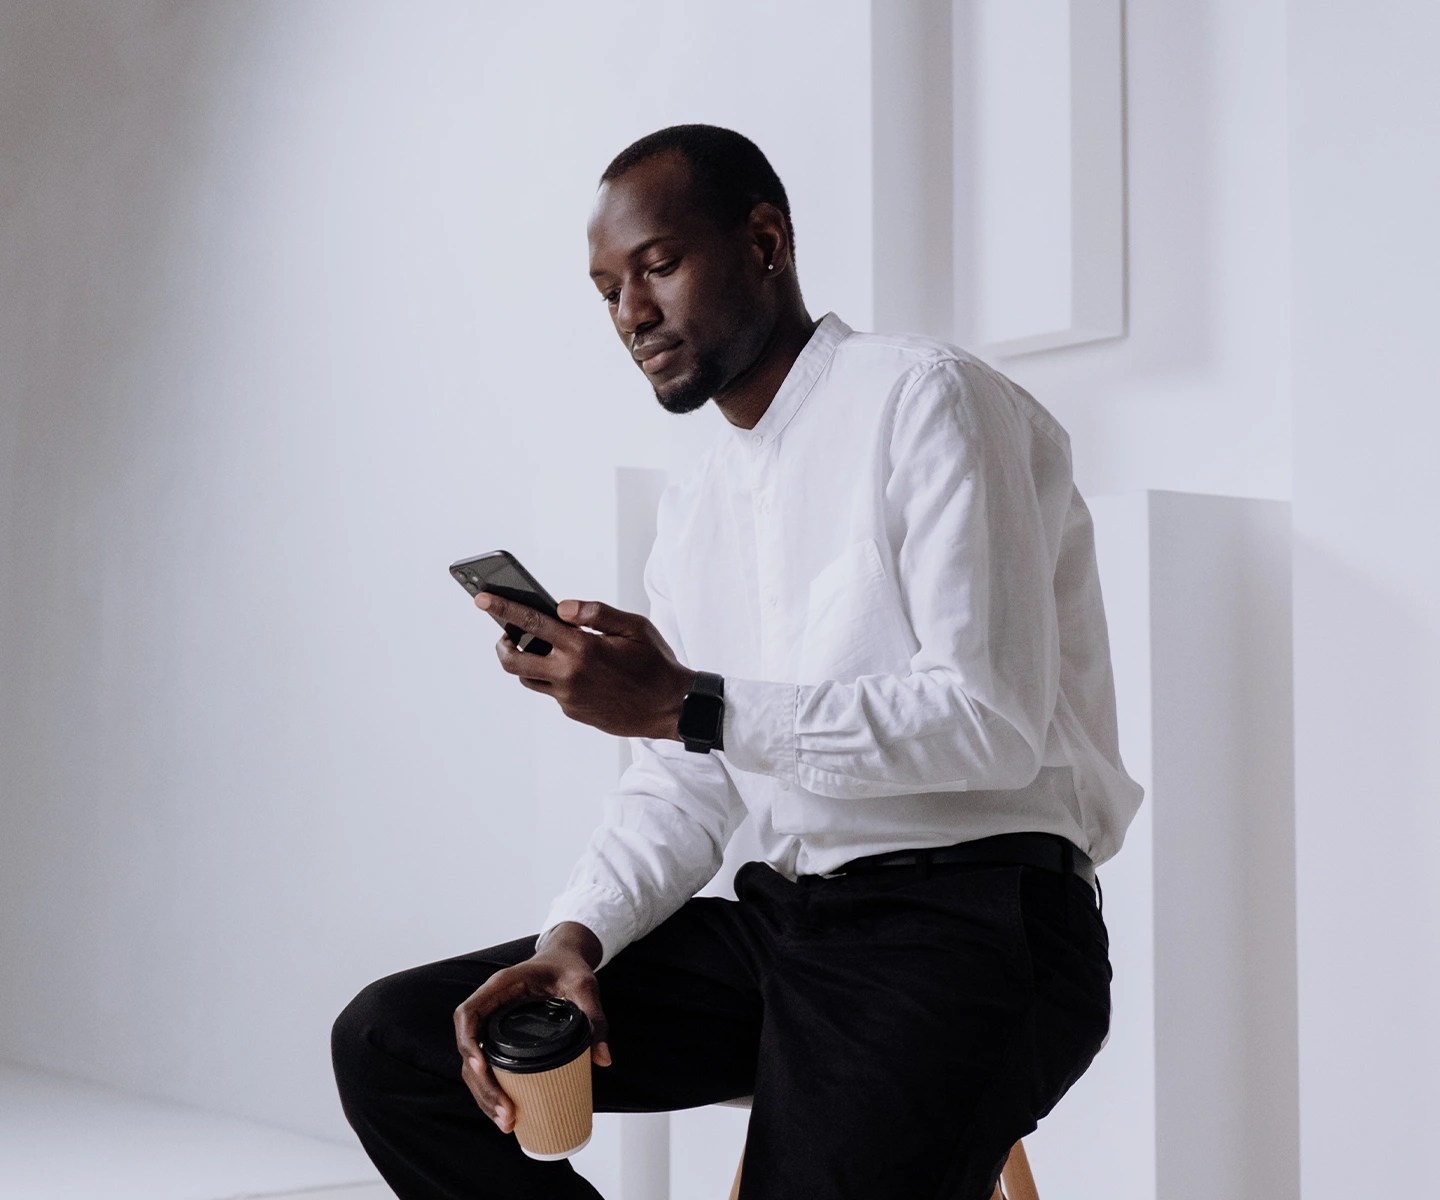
(539, 1051)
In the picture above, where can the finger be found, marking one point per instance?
(592, 614)
(542, 667)
(485, 1088)
(587, 997)
(531, 620)
(488, 1094)
(470, 1017)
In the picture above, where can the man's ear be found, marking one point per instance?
(771, 239)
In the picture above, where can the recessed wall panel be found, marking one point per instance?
(1038, 102)
(1022, 167)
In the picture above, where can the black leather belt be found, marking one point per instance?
(1048, 851)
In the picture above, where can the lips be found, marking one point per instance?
(656, 357)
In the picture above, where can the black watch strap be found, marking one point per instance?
(702, 714)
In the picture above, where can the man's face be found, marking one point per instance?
(681, 289)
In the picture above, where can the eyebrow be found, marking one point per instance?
(637, 252)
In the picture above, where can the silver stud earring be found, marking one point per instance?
(769, 266)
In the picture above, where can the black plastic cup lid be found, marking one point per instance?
(536, 1035)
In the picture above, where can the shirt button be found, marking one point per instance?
(784, 786)
(773, 601)
(756, 440)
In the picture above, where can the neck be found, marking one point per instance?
(746, 398)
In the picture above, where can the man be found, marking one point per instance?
(877, 630)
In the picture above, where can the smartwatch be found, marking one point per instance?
(702, 713)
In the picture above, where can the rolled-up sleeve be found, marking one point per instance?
(979, 485)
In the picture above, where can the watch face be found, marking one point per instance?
(700, 717)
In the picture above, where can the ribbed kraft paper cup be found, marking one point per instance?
(552, 1108)
(539, 1051)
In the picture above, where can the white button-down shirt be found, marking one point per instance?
(896, 576)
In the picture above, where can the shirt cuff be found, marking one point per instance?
(759, 732)
(605, 913)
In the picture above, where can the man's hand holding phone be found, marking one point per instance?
(608, 668)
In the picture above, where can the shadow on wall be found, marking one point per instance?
(94, 98)
(240, 694)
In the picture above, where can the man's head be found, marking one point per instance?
(692, 248)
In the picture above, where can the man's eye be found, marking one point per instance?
(664, 268)
(612, 296)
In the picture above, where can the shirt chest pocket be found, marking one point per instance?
(853, 622)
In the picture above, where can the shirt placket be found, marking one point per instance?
(769, 554)
(770, 574)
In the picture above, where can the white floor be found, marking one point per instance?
(64, 1139)
(61, 1139)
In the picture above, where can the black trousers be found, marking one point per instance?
(899, 1031)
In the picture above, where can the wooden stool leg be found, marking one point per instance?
(1019, 1182)
(735, 1187)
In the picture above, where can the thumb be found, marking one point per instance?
(601, 617)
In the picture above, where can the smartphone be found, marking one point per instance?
(501, 574)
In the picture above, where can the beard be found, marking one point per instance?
(687, 394)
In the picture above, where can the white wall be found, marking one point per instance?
(286, 291)
(1194, 1095)
(1365, 191)
(1224, 849)
(294, 311)
(1196, 397)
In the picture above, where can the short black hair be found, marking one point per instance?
(729, 172)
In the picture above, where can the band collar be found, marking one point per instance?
(804, 372)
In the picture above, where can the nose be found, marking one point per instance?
(637, 310)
